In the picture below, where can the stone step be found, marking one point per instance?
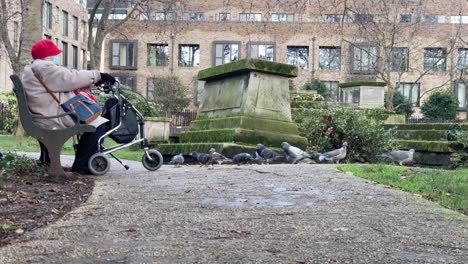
(432, 146)
(422, 135)
(426, 126)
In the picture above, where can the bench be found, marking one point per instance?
(53, 139)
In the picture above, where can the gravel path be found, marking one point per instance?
(248, 214)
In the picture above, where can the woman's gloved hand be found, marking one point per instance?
(105, 77)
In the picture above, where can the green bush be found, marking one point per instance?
(328, 128)
(402, 105)
(440, 105)
(18, 165)
(170, 94)
(316, 85)
(9, 99)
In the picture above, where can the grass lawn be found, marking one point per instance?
(447, 187)
(29, 144)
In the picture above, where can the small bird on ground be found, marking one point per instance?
(294, 154)
(266, 153)
(202, 158)
(242, 158)
(400, 156)
(259, 159)
(334, 155)
(217, 157)
(177, 160)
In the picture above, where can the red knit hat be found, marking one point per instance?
(44, 48)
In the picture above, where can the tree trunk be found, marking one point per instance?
(31, 31)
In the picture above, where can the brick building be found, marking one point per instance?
(416, 47)
(65, 22)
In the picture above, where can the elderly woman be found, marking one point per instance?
(62, 82)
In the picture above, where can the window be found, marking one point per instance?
(333, 90)
(226, 52)
(398, 59)
(461, 94)
(223, 17)
(333, 18)
(194, 16)
(364, 58)
(435, 59)
(123, 54)
(83, 30)
(298, 55)
(158, 54)
(363, 18)
(65, 23)
(250, 17)
(432, 19)
(458, 19)
(189, 55)
(264, 51)
(405, 18)
(64, 54)
(127, 80)
(462, 58)
(282, 17)
(84, 59)
(329, 58)
(75, 28)
(163, 16)
(410, 91)
(48, 15)
(75, 57)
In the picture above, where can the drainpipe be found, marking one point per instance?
(172, 52)
(313, 57)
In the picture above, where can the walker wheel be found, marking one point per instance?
(155, 163)
(99, 164)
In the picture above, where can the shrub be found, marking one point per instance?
(440, 105)
(316, 85)
(402, 105)
(9, 100)
(328, 128)
(15, 165)
(170, 94)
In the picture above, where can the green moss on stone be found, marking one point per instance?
(425, 126)
(247, 65)
(429, 135)
(187, 148)
(268, 138)
(431, 146)
(361, 83)
(246, 123)
(213, 135)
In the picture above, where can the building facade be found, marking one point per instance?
(415, 47)
(64, 22)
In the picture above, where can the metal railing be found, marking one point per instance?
(180, 121)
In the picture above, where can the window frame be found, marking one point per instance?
(329, 48)
(432, 68)
(248, 15)
(48, 14)
(333, 18)
(134, 52)
(392, 59)
(414, 104)
(64, 54)
(168, 16)
(166, 55)
(228, 16)
(64, 23)
(465, 58)
(198, 16)
(295, 57)
(289, 17)
(75, 57)
(258, 43)
(456, 92)
(404, 18)
(122, 76)
(363, 18)
(75, 28)
(192, 64)
(361, 46)
(214, 55)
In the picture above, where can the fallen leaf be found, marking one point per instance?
(19, 231)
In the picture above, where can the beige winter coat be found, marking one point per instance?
(62, 82)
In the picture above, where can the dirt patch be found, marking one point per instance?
(30, 202)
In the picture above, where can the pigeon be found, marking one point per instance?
(334, 155)
(400, 156)
(202, 158)
(266, 153)
(294, 154)
(217, 157)
(177, 160)
(242, 158)
(259, 159)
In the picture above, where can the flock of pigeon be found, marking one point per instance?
(292, 154)
(263, 155)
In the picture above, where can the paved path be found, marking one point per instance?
(249, 214)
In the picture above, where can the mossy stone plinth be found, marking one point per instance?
(429, 135)
(431, 146)
(246, 123)
(425, 126)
